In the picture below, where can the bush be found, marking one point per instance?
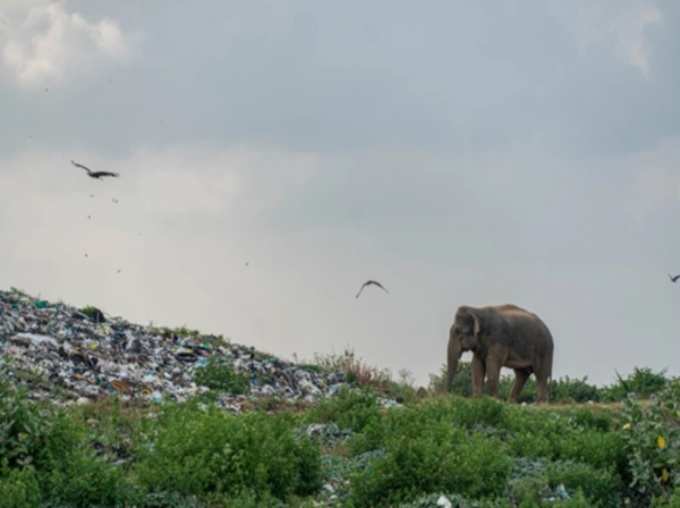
(671, 500)
(599, 484)
(651, 436)
(50, 449)
(573, 390)
(218, 375)
(194, 452)
(354, 368)
(462, 381)
(440, 458)
(642, 381)
(351, 409)
(538, 433)
(93, 313)
(23, 429)
(19, 489)
(71, 473)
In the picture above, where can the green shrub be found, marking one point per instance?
(19, 489)
(479, 411)
(651, 436)
(642, 381)
(218, 375)
(457, 501)
(93, 313)
(23, 428)
(56, 448)
(575, 436)
(462, 381)
(440, 458)
(351, 409)
(573, 390)
(670, 500)
(194, 452)
(599, 484)
(71, 473)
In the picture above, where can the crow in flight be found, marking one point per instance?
(95, 174)
(674, 279)
(371, 283)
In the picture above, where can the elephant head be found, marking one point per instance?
(464, 336)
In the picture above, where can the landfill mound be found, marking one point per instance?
(67, 355)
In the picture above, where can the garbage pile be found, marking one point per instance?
(74, 355)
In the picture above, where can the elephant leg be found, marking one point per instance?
(521, 377)
(542, 388)
(493, 373)
(478, 372)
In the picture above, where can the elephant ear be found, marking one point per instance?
(469, 314)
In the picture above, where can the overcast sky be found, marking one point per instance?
(521, 152)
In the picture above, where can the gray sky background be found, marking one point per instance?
(524, 152)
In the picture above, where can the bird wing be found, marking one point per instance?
(81, 166)
(361, 289)
(376, 283)
(99, 174)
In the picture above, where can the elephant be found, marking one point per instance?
(501, 336)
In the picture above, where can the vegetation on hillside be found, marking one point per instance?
(475, 451)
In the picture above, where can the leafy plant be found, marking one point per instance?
(217, 374)
(351, 409)
(194, 452)
(19, 489)
(93, 313)
(642, 382)
(651, 437)
(440, 458)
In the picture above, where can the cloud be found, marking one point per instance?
(43, 42)
(655, 183)
(621, 28)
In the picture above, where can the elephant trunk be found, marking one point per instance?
(454, 352)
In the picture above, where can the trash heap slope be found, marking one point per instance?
(68, 354)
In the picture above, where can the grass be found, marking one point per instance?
(476, 451)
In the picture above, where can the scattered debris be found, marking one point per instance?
(71, 355)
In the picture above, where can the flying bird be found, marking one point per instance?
(95, 174)
(371, 283)
(674, 278)
(114, 201)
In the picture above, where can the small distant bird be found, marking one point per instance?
(674, 279)
(86, 255)
(115, 201)
(95, 174)
(118, 271)
(89, 217)
(91, 195)
(247, 263)
(371, 283)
